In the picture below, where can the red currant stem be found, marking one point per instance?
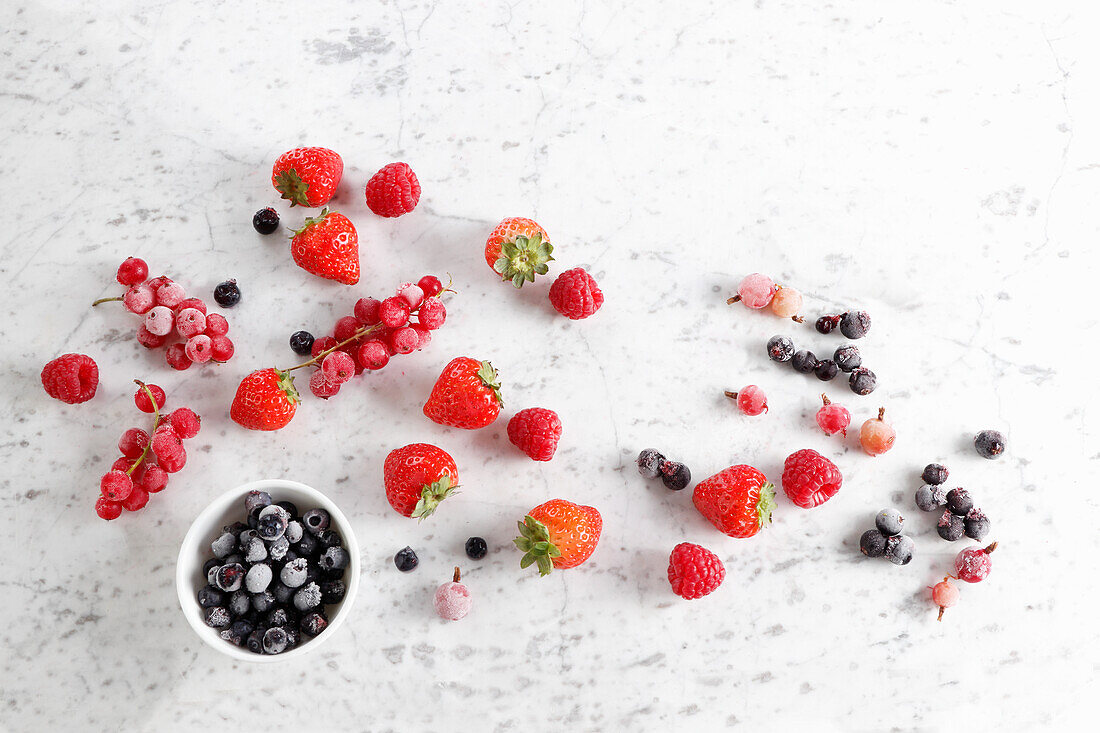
(105, 300)
(731, 395)
(825, 400)
(734, 299)
(458, 575)
(940, 617)
(156, 421)
(881, 412)
(798, 319)
(990, 549)
(360, 333)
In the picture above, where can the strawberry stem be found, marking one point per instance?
(105, 300)
(156, 421)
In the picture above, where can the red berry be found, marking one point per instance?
(307, 176)
(738, 500)
(322, 344)
(393, 190)
(155, 479)
(196, 303)
(160, 320)
(177, 358)
(139, 299)
(322, 387)
(157, 281)
(536, 432)
(833, 418)
(141, 398)
(694, 571)
(221, 348)
(403, 340)
(185, 422)
(366, 310)
(137, 499)
(122, 464)
(132, 271)
(373, 354)
(810, 479)
(337, 368)
(167, 445)
(116, 485)
(199, 348)
(431, 285)
(190, 322)
(575, 294)
(352, 350)
(107, 509)
(216, 325)
(346, 327)
(71, 378)
(945, 594)
(877, 436)
(170, 294)
(756, 290)
(133, 442)
(413, 295)
(423, 335)
(432, 313)
(751, 400)
(174, 462)
(148, 339)
(394, 312)
(973, 564)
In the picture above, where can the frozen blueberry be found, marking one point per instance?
(293, 573)
(976, 524)
(780, 348)
(989, 443)
(282, 593)
(934, 473)
(951, 526)
(275, 640)
(649, 463)
(312, 624)
(862, 381)
(212, 574)
(959, 501)
(314, 573)
(256, 500)
(476, 548)
(235, 529)
(258, 578)
(928, 498)
(272, 522)
(229, 577)
(307, 597)
(277, 550)
(211, 563)
(236, 557)
(307, 546)
(804, 361)
(224, 546)
(290, 508)
(255, 641)
(329, 538)
(216, 617)
(855, 325)
(899, 549)
(301, 342)
(278, 616)
(294, 530)
(265, 221)
(872, 543)
(825, 370)
(293, 636)
(406, 560)
(209, 596)
(229, 635)
(847, 358)
(239, 603)
(334, 558)
(244, 537)
(263, 601)
(889, 522)
(256, 551)
(241, 628)
(675, 476)
(316, 520)
(332, 591)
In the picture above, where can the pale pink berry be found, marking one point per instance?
(320, 386)
(756, 290)
(833, 418)
(945, 594)
(411, 294)
(423, 335)
(190, 322)
(452, 600)
(158, 321)
(786, 303)
(221, 348)
(216, 325)
(139, 299)
(877, 436)
(338, 367)
(403, 340)
(170, 294)
(750, 399)
(199, 348)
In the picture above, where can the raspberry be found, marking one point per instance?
(155, 479)
(373, 354)
(810, 479)
(71, 378)
(694, 571)
(196, 303)
(393, 190)
(167, 445)
(431, 285)
(185, 422)
(322, 344)
(107, 509)
(132, 271)
(190, 322)
(432, 313)
(394, 312)
(751, 400)
(337, 368)
(159, 320)
(833, 418)
(755, 291)
(403, 340)
(216, 325)
(320, 386)
(536, 432)
(170, 294)
(177, 358)
(575, 294)
(139, 299)
(137, 499)
(141, 398)
(199, 348)
(423, 335)
(148, 339)
(411, 294)
(221, 348)
(116, 485)
(366, 310)
(133, 442)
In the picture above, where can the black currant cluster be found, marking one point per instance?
(886, 539)
(407, 561)
(960, 516)
(853, 324)
(846, 359)
(652, 463)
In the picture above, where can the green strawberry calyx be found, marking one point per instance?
(431, 495)
(765, 505)
(523, 258)
(285, 382)
(292, 187)
(534, 542)
(489, 378)
(310, 221)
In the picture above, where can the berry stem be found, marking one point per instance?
(881, 412)
(798, 319)
(825, 400)
(734, 299)
(940, 617)
(357, 335)
(731, 395)
(990, 549)
(105, 300)
(156, 421)
(458, 575)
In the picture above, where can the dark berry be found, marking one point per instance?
(307, 597)
(235, 529)
(278, 617)
(283, 593)
(335, 558)
(276, 640)
(216, 617)
(210, 596)
(959, 501)
(934, 473)
(254, 501)
(209, 564)
(872, 543)
(291, 508)
(227, 294)
(278, 549)
(847, 358)
(780, 348)
(929, 497)
(476, 548)
(263, 601)
(265, 221)
(229, 577)
(239, 603)
(889, 522)
(976, 524)
(332, 591)
(649, 463)
(241, 629)
(316, 520)
(989, 443)
(951, 526)
(255, 641)
(804, 361)
(307, 546)
(825, 370)
(826, 324)
(329, 538)
(272, 524)
(406, 560)
(675, 476)
(855, 324)
(301, 342)
(862, 381)
(899, 549)
(293, 635)
(312, 624)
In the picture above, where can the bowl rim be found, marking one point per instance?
(196, 538)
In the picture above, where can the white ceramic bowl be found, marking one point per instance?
(229, 508)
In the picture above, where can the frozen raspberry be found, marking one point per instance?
(575, 294)
(535, 431)
(196, 303)
(176, 356)
(216, 325)
(432, 314)
(107, 509)
(139, 299)
(694, 571)
(155, 479)
(185, 422)
(394, 312)
(170, 294)
(137, 499)
(116, 485)
(221, 348)
(431, 285)
(413, 295)
(833, 418)
(786, 303)
(877, 436)
(751, 400)
(423, 335)
(393, 190)
(337, 368)
(159, 320)
(132, 271)
(973, 564)
(452, 600)
(321, 387)
(373, 354)
(945, 594)
(366, 310)
(403, 340)
(346, 328)
(322, 344)
(755, 291)
(141, 398)
(133, 442)
(190, 322)
(810, 479)
(71, 378)
(199, 348)
(149, 340)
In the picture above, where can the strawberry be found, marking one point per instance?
(328, 246)
(518, 249)
(558, 534)
(265, 400)
(466, 395)
(417, 478)
(307, 176)
(738, 501)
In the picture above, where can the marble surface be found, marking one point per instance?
(936, 164)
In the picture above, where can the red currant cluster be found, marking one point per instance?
(376, 331)
(137, 473)
(167, 309)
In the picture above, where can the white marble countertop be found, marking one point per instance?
(935, 165)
